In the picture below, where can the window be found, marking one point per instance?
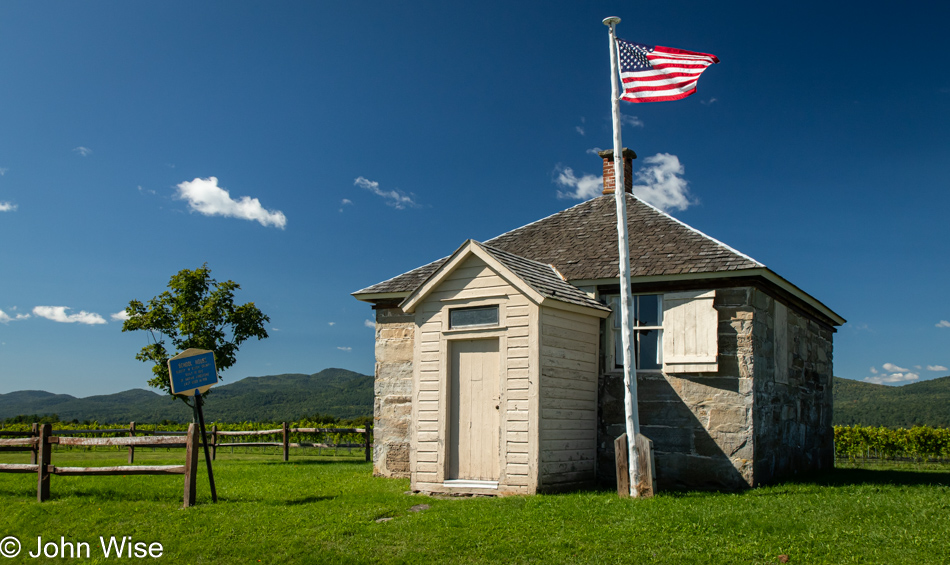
(473, 317)
(647, 331)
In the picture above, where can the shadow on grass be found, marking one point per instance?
(869, 476)
(115, 496)
(876, 475)
(307, 500)
(315, 462)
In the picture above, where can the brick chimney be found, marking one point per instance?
(609, 181)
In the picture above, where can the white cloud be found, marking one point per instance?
(82, 151)
(331, 323)
(345, 348)
(943, 324)
(6, 318)
(148, 190)
(206, 197)
(579, 130)
(58, 314)
(661, 184)
(583, 188)
(7, 207)
(119, 316)
(937, 368)
(631, 121)
(893, 378)
(395, 198)
(708, 102)
(369, 324)
(594, 150)
(892, 374)
(346, 201)
(3, 171)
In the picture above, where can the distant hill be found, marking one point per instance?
(347, 394)
(926, 403)
(339, 392)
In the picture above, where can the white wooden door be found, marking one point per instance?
(474, 414)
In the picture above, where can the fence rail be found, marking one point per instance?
(42, 441)
(285, 431)
(29, 441)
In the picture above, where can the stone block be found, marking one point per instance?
(677, 471)
(674, 413)
(394, 316)
(396, 332)
(655, 389)
(745, 387)
(394, 350)
(728, 364)
(729, 419)
(735, 445)
(669, 439)
(761, 300)
(397, 459)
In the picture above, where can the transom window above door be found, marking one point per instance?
(474, 317)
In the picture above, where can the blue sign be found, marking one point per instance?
(190, 370)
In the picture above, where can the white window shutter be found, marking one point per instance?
(690, 332)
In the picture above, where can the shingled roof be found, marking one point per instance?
(543, 278)
(581, 243)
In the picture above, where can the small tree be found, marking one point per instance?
(197, 312)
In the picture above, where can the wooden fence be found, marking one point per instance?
(20, 440)
(41, 441)
(285, 431)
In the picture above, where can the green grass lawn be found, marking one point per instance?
(327, 510)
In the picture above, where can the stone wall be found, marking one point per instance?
(793, 391)
(392, 409)
(700, 424)
(746, 424)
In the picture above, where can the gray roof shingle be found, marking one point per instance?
(581, 243)
(543, 278)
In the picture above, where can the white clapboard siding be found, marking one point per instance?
(568, 390)
(690, 332)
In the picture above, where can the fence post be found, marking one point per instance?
(131, 448)
(286, 442)
(191, 465)
(44, 453)
(214, 441)
(369, 456)
(34, 451)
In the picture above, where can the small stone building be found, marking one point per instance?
(497, 367)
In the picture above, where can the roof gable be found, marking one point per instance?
(539, 282)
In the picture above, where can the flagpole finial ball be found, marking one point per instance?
(611, 20)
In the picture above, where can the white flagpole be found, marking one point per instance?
(629, 369)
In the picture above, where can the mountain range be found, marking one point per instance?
(925, 403)
(346, 394)
(341, 393)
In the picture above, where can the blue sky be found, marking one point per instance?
(372, 137)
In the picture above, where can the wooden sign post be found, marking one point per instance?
(191, 373)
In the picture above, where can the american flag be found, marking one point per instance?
(651, 73)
